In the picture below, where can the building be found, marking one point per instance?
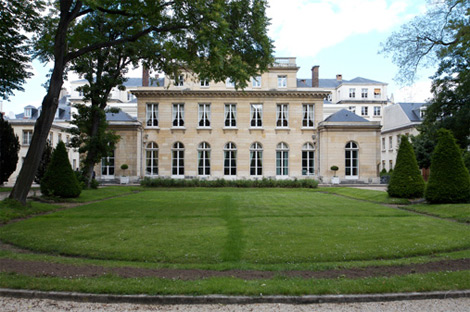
(23, 126)
(399, 119)
(190, 128)
(364, 97)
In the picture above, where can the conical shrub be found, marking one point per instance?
(449, 181)
(59, 179)
(406, 181)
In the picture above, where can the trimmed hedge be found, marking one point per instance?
(60, 179)
(406, 180)
(264, 182)
(449, 181)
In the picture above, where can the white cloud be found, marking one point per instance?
(303, 28)
(418, 92)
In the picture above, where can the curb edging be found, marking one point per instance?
(221, 299)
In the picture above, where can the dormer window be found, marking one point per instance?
(229, 83)
(57, 112)
(179, 82)
(27, 112)
(422, 112)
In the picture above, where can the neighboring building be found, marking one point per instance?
(364, 97)
(273, 128)
(399, 119)
(23, 126)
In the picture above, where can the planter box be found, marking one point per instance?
(124, 180)
(335, 180)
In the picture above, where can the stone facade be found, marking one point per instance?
(185, 129)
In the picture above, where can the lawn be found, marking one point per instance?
(230, 228)
(459, 212)
(254, 226)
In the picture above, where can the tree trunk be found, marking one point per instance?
(89, 160)
(49, 106)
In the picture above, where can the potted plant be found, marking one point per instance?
(124, 178)
(334, 179)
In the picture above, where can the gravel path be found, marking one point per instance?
(33, 305)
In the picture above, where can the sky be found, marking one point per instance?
(341, 36)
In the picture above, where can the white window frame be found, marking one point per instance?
(152, 115)
(178, 115)
(177, 160)
(282, 115)
(108, 166)
(377, 93)
(27, 136)
(377, 111)
(308, 115)
(364, 93)
(204, 115)
(230, 159)
(179, 81)
(230, 113)
(229, 83)
(282, 81)
(351, 160)
(204, 159)
(256, 82)
(151, 159)
(352, 93)
(364, 110)
(256, 115)
(28, 112)
(205, 83)
(308, 159)
(282, 159)
(256, 159)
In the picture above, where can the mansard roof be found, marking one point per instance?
(412, 110)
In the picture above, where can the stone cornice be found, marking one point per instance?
(325, 125)
(230, 94)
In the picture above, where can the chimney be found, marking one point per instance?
(315, 79)
(145, 76)
(339, 77)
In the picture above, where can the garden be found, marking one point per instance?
(250, 241)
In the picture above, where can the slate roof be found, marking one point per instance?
(345, 115)
(412, 110)
(134, 82)
(333, 83)
(120, 116)
(64, 111)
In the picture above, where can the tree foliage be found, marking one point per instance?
(9, 148)
(423, 145)
(449, 181)
(406, 181)
(45, 160)
(419, 42)
(18, 18)
(60, 179)
(214, 39)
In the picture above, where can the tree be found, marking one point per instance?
(59, 179)
(441, 35)
(418, 42)
(214, 39)
(92, 137)
(45, 160)
(449, 181)
(18, 18)
(406, 181)
(9, 148)
(423, 145)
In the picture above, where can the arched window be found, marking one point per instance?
(282, 159)
(351, 160)
(308, 159)
(151, 159)
(177, 167)
(230, 159)
(204, 159)
(256, 159)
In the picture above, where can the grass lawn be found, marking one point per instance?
(364, 194)
(459, 212)
(228, 228)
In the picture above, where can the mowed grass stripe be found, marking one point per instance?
(211, 226)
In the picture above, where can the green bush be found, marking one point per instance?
(383, 172)
(243, 183)
(60, 179)
(406, 181)
(449, 181)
